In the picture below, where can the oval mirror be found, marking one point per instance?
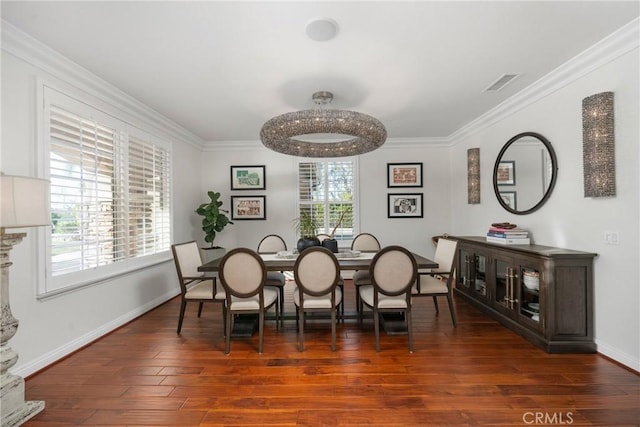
(525, 173)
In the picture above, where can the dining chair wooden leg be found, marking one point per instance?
(300, 329)
(200, 308)
(409, 329)
(183, 306)
(376, 327)
(261, 331)
(224, 319)
(452, 310)
(333, 329)
(228, 333)
(435, 302)
(281, 306)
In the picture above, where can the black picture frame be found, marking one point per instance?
(405, 205)
(506, 172)
(248, 208)
(404, 175)
(251, 177)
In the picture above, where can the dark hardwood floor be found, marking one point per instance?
(479, 373)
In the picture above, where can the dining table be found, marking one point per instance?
(348, 260)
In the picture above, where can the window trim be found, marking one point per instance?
(46, 286)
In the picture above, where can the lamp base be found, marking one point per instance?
(15, 410)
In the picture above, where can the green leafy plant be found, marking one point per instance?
(215, 218)
(306, 225)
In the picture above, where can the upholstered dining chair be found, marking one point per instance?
(393, 272)
(317, 274)
(364, 242)
(439, 282)
(194, 286)
(243, 276)
(272, 244)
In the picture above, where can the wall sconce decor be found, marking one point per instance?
(598, 145)
(473, 176)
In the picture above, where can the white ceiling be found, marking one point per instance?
(221, 69)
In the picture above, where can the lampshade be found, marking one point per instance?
(24, 202)
(282, 133)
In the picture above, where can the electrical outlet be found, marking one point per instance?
(612, 237)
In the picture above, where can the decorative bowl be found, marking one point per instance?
(531, 280)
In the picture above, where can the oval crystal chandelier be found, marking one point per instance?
(282, 133)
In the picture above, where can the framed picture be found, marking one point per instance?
(248, 178)
(404, 175)
(506, 173)
(510, 199)
(404, 205)
(248, 207)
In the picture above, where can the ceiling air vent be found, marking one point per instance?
(504, 80)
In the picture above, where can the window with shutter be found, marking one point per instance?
(110, 194)
(327, 191)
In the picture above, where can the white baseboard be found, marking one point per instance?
(57, 354)
(620, 357)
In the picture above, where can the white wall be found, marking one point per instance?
(52, 328)
(568, 219)
(281, 179)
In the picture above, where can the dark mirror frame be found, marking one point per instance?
(554, 172)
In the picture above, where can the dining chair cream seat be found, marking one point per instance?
(439, 282)
(243, 276)
(194, 286)
(363, 242)
(317, 274)
(393, 272)
(272, 244)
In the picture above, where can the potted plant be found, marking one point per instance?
(306, 227)
(214, 221)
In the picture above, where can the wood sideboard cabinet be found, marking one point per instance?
(543, 293)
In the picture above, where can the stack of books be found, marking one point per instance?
(508, 236)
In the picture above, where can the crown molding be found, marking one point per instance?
(417, 142)
(39, 55)
(617, 44)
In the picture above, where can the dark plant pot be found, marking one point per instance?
(331, 244)
(307, 242)
(209, 254)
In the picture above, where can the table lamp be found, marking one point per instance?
(24, 202)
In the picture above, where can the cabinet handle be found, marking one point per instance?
(510, 291)
(513, 290)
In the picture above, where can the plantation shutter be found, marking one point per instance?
(149, 198)
(86, 216)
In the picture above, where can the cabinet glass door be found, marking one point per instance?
(530, 293)
(505, 284)
(465, 270)
(480, 274)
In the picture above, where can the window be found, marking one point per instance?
(110, 194)
(327, 191)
